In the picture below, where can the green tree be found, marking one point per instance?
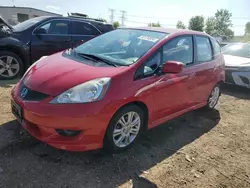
(116, 24)
(223, 23)
(180, 25)
(154, 24)
(247, 28)
(210, 26)
(196, 23)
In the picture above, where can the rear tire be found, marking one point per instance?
(124, 129)
(11, 65)
(213, 98)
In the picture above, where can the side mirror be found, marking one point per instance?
(172, 67)
(40, 31)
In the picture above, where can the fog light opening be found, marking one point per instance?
(63, 132)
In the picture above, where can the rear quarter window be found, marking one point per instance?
(216, 47)
(82, 28)
(104, 27)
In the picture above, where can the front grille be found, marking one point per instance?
(29, 95)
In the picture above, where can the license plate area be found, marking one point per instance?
(17, 111)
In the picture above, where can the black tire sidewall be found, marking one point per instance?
(109, 144)
(21, 71)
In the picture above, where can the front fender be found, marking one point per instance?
(16, 46)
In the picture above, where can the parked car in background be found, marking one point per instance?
(25, 43)
(222, 44)
(237, 60)
(107, 91)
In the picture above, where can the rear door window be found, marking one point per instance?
(82, 28)
(179, 49)
(204, 49)
(56, 27)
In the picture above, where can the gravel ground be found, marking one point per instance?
(200, 149)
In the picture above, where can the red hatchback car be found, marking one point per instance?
(107, 91)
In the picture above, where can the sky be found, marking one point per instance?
(142, 12)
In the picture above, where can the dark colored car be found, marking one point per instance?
(237, 60)
(25, 43)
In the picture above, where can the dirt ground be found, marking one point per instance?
(199, 149)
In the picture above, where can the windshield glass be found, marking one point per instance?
(241, 50)
(121, 46)
(26, 24)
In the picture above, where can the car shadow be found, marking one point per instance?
(25, 161)
(235, 91)
(8, 83)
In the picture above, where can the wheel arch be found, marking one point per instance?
(16, 50)
(141, 105)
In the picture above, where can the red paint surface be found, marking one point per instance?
(166, 97)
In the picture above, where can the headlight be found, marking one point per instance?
(93, 90)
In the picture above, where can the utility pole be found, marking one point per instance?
(123, 17)
(112, 11)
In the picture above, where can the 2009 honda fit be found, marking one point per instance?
(105, 92)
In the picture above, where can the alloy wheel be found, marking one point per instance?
(214, 97)
(126, 129)
(9, 66)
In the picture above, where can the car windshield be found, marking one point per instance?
(121, 46)
(241, 50)
(26, 24)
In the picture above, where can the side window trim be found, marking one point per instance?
(44, 23)
(211, 47)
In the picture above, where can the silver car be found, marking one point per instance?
(237, 61)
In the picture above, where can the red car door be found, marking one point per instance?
(205, 68)
(172, 91)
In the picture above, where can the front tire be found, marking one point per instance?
(124, 129)
(11, 65)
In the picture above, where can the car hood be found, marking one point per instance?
(55, 74)
(235, 61)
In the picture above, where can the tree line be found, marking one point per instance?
(218, 25)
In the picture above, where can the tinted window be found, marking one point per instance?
(81, 28)
(179, 49)
(104, 27)
(204, 49)
(216, 46)
(56, 27)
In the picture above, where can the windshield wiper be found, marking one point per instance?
(96, 58)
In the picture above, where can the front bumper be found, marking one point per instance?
(237, 77)
(41, 120)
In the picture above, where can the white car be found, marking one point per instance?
(237, 61)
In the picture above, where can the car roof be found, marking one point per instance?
(76, 19)
(168, 30)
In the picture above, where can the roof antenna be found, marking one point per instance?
(13, 1)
